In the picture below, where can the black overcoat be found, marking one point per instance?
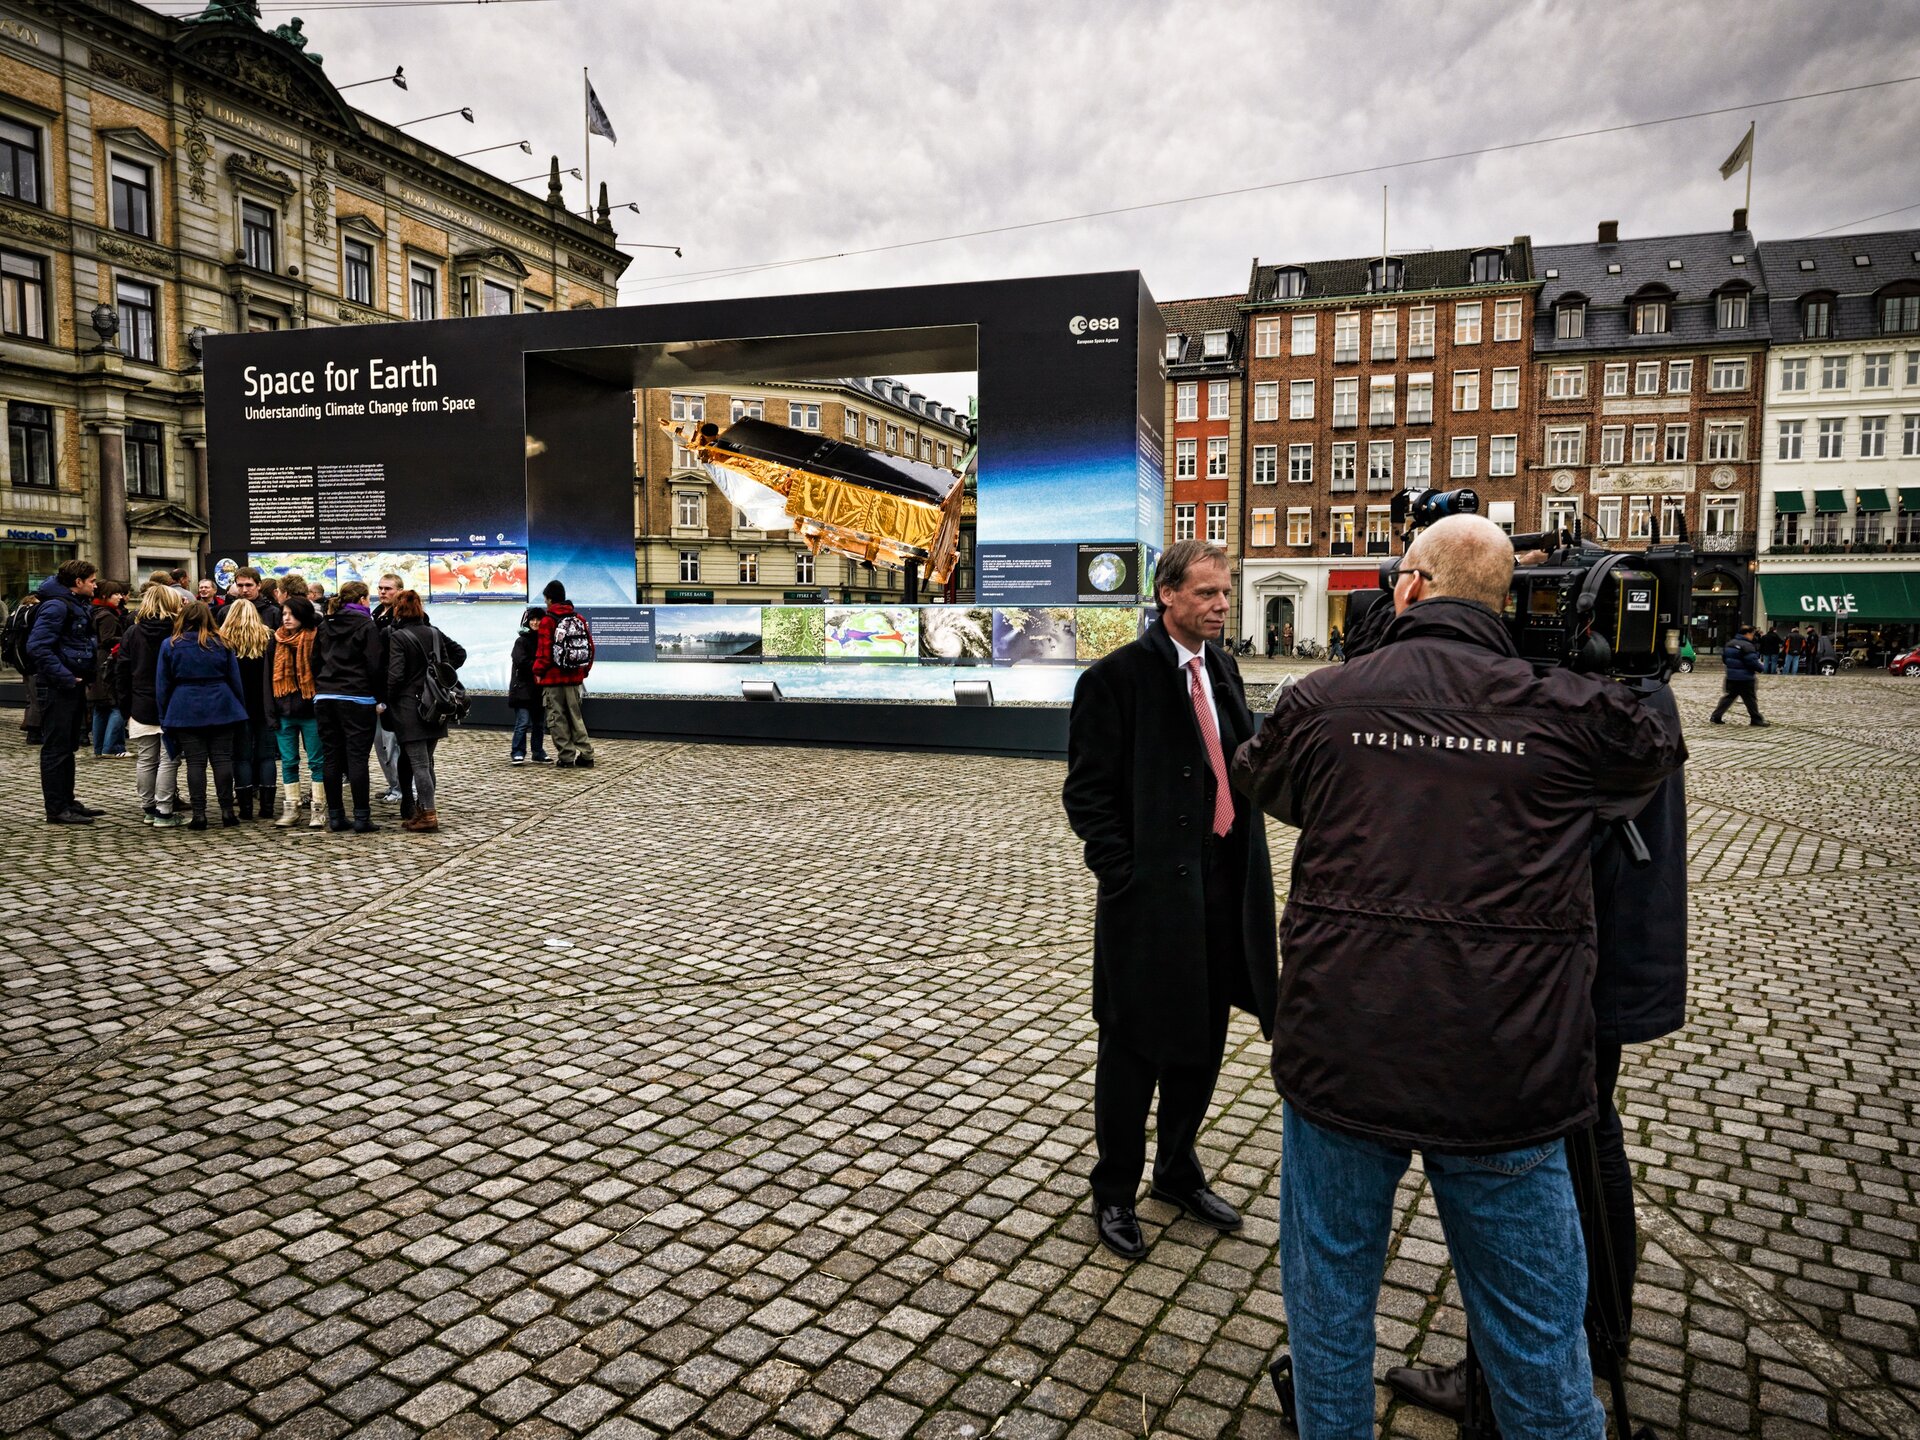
(1139, 794)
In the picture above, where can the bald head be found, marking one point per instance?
(1469, 557)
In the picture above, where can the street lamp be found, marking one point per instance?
(463, 112)
(398, 77)
(574, 172)
(506, 145)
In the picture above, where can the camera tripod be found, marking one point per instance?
(1606, 1318)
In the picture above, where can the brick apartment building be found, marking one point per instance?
(692, 547)
(1650, 361)
(1206, 354)
(1364, 377)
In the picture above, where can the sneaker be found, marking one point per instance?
(583, 762)
(392, 797)
(172, 820)
(517, 760)
(544, 760)
(1715, 720)
(564, 763)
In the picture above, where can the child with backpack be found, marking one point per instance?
(562, 656)
(529, 712)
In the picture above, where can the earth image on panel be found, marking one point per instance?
(1107, 571)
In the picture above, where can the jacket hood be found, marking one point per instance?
(159, 627)
(51, 589)
(560, 607)
(1446, 618)
(345, 619)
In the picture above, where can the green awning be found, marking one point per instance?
(1872, 500)
(1830, 502)
(1859, 595)
(1910, 497)
(1790, 502)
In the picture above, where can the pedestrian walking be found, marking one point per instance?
(415, 648)
(290, 690)
(109, 622)
(1742, 659)
(61, 650)
(254, 749)
(197, 688)
(1286, 638)
(156, 759)
(349, 669)
(529, 712)
(561, 662)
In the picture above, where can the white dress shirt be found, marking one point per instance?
(1186, 657)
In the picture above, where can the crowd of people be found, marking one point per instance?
(244, 684)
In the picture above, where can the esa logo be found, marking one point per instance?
(1081, 325)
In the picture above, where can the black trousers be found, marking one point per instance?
(346, 740)
(1742, 690)
(1616, 1180)
(63, 719)
(198, 745)
(1124, 1080)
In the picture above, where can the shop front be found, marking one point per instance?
(1718, 604)
(29, 554)
(1340, 585)
(1871, 610)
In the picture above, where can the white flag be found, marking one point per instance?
(1742, 153)
(597, 122)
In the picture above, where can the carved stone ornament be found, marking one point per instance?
(1722, 477)
(354, 315)
(256, 71)
(320, 199)
(259, 172)
(1562, 481)
(587, 268)
(115, 68)
(355, 170)
(147, 256)
(199, 147)
(38, 225)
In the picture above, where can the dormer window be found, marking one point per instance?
(1570, 318)
(1899, 307)
(1289, 283)
(1174, 342)
(1806, 264)
(1863, 261)
(1214, 345)
(1730, 309)
(1816, 316)
(1385, 275)
(1652, 310)
(1614, 268)
(1676, 265)
(1487, 267)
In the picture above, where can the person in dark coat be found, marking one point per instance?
(247, 585)
(1183, 922)
(62, 650)
(412, 644)
(1742, 659)
(156, 765)
(523, 695)
(197, 688)
(1770, 651)
(349, 676)
(109, 620)
(255, 750)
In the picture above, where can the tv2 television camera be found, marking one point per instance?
(1584, 607)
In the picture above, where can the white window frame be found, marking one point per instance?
(689, 510)
(1266, 464)
(1346, 338)
(1217, 458)
(1264, 523)
(1646, 377)
(1186, 459)
(1728, 372)
(1379, 464)
(1385, 339)
(1304, 334)
(1506, 388)
(1829, 365)
(1419, 460)
(1607, 517)
(1299, 525)
(1466, 391)
(1300, 400)
(1680, 377)
(1266, 338)
(1421, 320)
(1873, 437)
(1183, 522)
(1672, 453)
(1566, 382)
(742, 409)
(1380, 400)
(1186, 400)
(1876, 370)
(1346, 399)
(1646, 444)
(803, 415)
(1831, 438)
(1213, 345)
(1566, 445)
(1218, 398)
(1466, 322)
(1420, 387)
(1463, 462)
(1300, 464)
(1725, 440)
(1506, 320)
(1616, 380)
(1216, 522)
(1266, 400)
(1343, 467)
(1613, 444)
(1503, 455)
(1793, 374)
(1790, 443)
(690, 567)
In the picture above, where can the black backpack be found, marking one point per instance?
(13, 639)
(441, 698)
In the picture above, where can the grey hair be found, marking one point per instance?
(1179, 558)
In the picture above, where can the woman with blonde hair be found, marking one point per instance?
(253, 744)
(197, 684)
(156, 760)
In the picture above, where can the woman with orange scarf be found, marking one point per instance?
(290, 691)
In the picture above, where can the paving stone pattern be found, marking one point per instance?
(731, 1092)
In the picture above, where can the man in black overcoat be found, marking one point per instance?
(1184, 919)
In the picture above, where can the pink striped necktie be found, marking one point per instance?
(1216, 759)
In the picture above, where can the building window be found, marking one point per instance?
(1183, 522)
(1386, 333)
(803, 568)
(138, 305)
(1186, 459)
(1305, 328)
(1640, 517)
(749, 567)
(1673, 512)
(1217, 459)
(495, 299)
(1343, 530)
(873, 433)
(1680, 377)
(1299, 527)
(1300, 400)
(23, 295)
(1266, 464)
(1346, 338)
(1266, 338)
(1608, 517)
(1569, 321)
(1503, 455)
(1646, 444)
(145, 476)
(1833, 371)
(1559, 515)
(1466, 322)
(1379, 530)
(1816, 319)
(1910, 435)
(1792, 435)
(689, 566)
(1385, 275)
(1676, 452)
(1506, 388)
(1379, 465)
(1726, 439)
(30, 445)
(1488, 267)
(1466, 390)
(258, 324)
(359, 272)
(1186, 400)
(687, 407)
(1175, 342)
(1300, 464)
(1266, 400)
(257, 224)
(530, 306)
(1419, 460)
(686, 509)
(1420, 399)
(1506, 320)
(1217, 523)
(1646, 378)
(1217, 399)
(423, 292)
(1343, 463)
(1877, 370)
(1731, 311)
(1289, 283)
(19, 162)
(1615, 382)
(1873, 437)
(1613, 444)
(1793, 374)
(1719, 516)
(1566, 382)
(132, 197)
(1728, 374)
(1420, 332)
(1899, 314)
(1346, 403)
(803, 416)
(1826, 529)
(1832, 438)
(1650, 317)
(1214, 345)
(850, 424)
(1380, 400)
(1466, 457)
(1567, 445)
(757, 410)
(1265, 528)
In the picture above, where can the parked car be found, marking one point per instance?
(1905, 663)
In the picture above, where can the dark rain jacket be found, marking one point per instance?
(1139, 794)
(61, 641)
(1438, 939)
(350, 655)
(135, 671)
(1742, 659)
(409, 643)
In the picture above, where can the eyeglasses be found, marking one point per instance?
(1406, 570)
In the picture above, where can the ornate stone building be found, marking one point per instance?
(163, 178)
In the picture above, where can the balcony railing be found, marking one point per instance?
(1379, 547)
(1340, 547)
(1724, 542)
(1848, 547)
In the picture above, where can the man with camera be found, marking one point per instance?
(1439, 953)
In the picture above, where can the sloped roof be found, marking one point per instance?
(1424, 270)
(1891, 254)
(1707, 265)
(1192, 320)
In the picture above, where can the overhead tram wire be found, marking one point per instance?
(310, 7)
(1864, 219)
(669, 282)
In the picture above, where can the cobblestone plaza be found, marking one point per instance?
(724, 1092)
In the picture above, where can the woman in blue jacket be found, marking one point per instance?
(197, 688)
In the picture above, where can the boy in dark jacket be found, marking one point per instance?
(1742, 659)
(529, 714)
(61, 648)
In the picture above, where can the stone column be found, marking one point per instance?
(196, 444)
(115, 555)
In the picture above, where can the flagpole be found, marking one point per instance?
(1753, 138)
(586, 132)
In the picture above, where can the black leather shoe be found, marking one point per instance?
(69, 817)
(1119, 1230)
(1442, 1391)
(76, 808)
(1203, 1205)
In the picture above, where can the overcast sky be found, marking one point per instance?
(754, 132)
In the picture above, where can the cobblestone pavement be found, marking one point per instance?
(737, 1092)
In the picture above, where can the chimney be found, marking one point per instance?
(1740, 220)
(1609, 232)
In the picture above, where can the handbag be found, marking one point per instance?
(439, 696)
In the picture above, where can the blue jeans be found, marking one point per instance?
(1793, 664)
(1514, 1232)
(109, 731)
(530, 722)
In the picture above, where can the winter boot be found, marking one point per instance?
(363, 821)
(264, 802)
(422, 822)
(246, 802)
(319, 819)
(290, 803)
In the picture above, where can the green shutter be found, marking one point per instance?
(1872, 500)
(1866, 595)
(1830, 502)
(1790, 502)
